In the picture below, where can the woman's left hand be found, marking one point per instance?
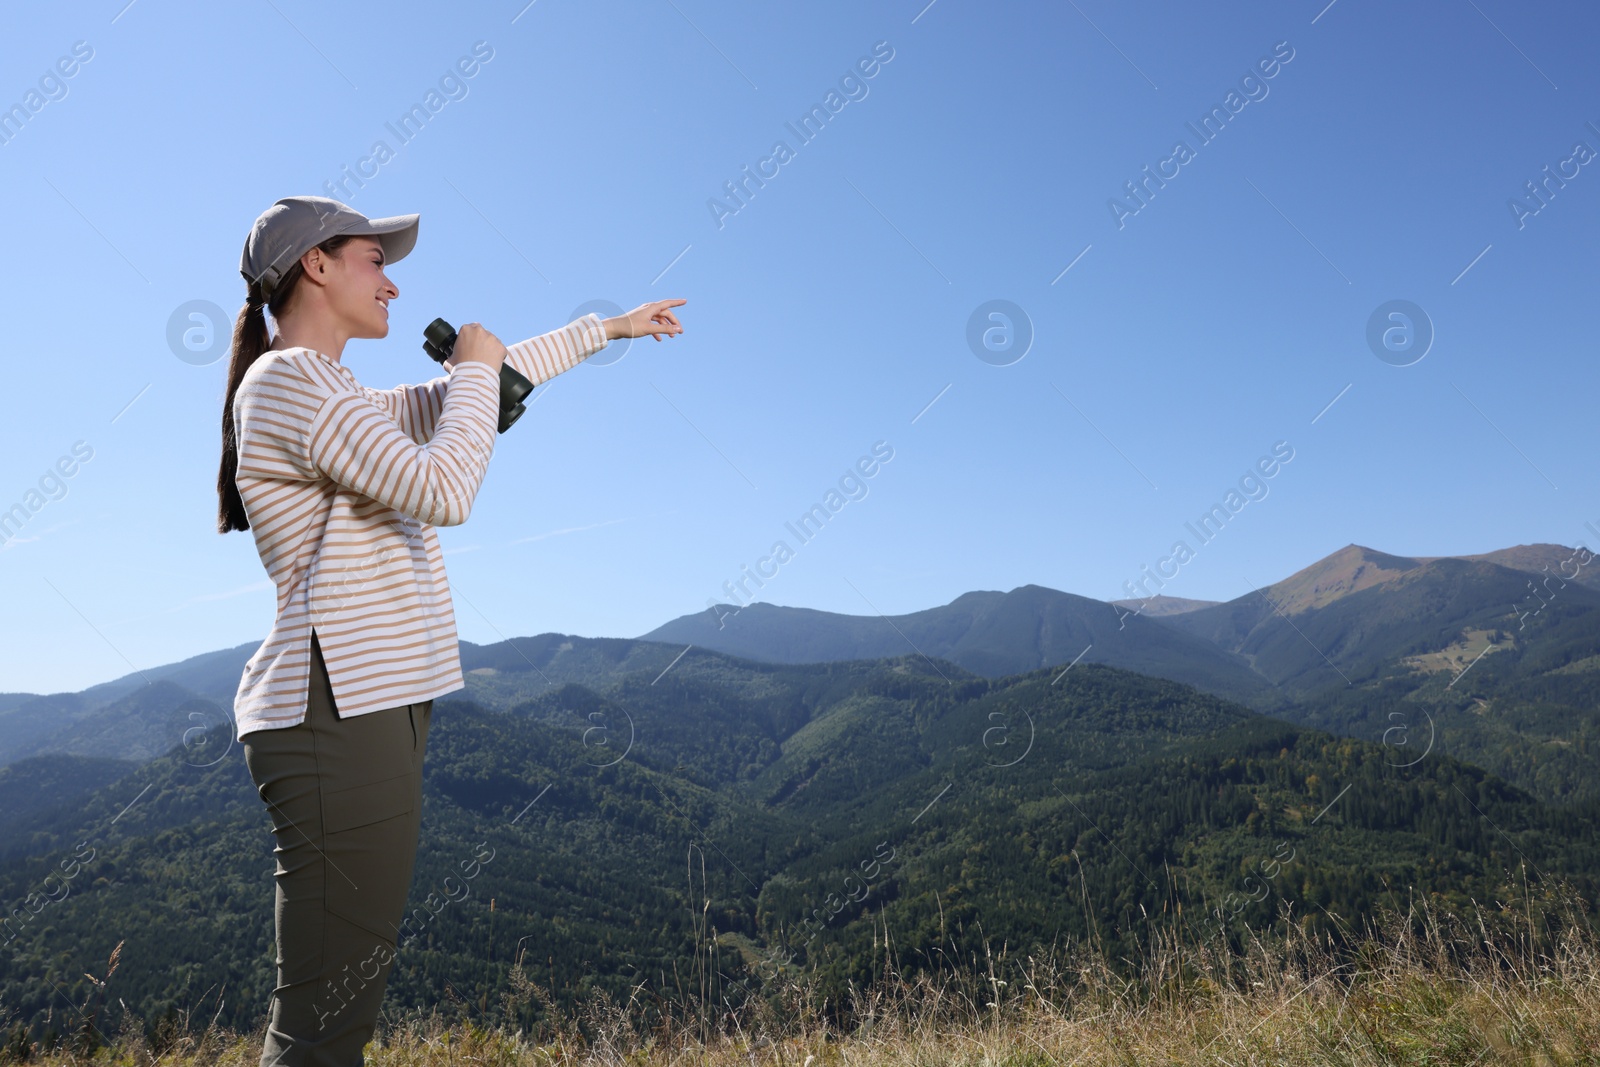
(653, 318)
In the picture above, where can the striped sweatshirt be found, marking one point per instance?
(343, 486)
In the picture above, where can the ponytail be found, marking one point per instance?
(249, 341)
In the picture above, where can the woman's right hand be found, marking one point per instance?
(474, 344)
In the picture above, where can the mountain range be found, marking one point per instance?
(1341, 645)
(736, 795)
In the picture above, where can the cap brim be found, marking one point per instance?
(397, 234)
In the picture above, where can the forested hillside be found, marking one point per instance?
(725, 822)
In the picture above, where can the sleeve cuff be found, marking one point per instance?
(594, 335)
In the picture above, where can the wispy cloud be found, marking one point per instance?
(36, 535)
(567, 530)
(243, 590)
(202, 598)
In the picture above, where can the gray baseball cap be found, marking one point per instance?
(296, 224)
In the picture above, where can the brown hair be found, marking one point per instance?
(249, 341)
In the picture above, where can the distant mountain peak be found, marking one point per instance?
(1349, 570)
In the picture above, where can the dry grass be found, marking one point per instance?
(1510, 985)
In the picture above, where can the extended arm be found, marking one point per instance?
(416, 408)
(541, 358)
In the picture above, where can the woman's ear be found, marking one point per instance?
(314, 264)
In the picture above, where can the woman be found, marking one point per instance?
(342, 486)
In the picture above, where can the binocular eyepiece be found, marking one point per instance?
(439, 341)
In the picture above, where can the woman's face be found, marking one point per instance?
(357, 290)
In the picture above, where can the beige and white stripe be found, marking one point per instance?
(343, 486)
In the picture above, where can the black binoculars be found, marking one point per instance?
(440, 342)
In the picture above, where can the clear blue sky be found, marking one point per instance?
(976, 164)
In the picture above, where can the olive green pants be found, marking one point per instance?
(345, 797)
